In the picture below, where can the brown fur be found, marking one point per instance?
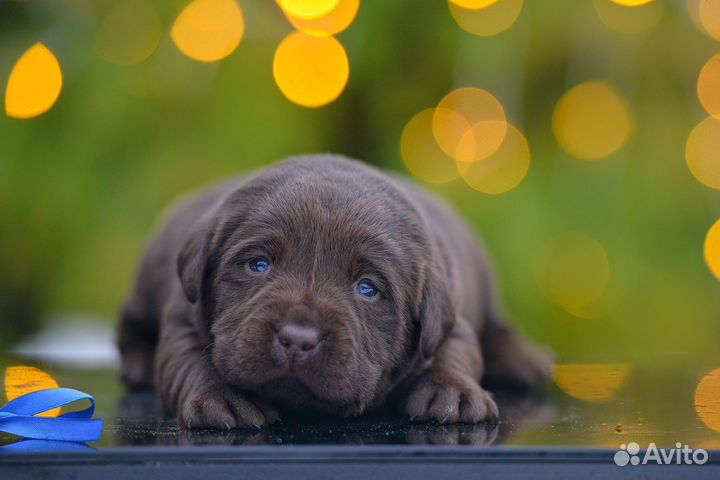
(207, 326)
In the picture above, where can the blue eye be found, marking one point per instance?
(367, 289)
(259, 265)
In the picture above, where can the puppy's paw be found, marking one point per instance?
(223, 408)
(456, 401)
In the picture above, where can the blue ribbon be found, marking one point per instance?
(45, 446)
(17, 417)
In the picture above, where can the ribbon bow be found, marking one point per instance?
(17, 417)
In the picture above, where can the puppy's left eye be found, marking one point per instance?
(367, 289)
(259, 265)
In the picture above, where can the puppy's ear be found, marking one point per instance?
(435, 315)
(192, 261)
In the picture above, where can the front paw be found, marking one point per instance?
(450, 402)
(222, 407)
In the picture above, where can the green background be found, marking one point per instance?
(82, 186)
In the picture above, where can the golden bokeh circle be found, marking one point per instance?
(632, 3)
(23, 379)
(421, 154)
(307, 9)
(208, 30)
(593, 382)
(712, 249)
(707, 400)
(592, 121)
(573, 270)
(464, 109)
(493, 19)
(35, 83)
(473, 4)
(503, 170)
(310, 71)
(708, 86)
(702, 152)
(481, 141)
(709, 13)
(332, 23)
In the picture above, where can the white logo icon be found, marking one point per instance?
(627, 454)
(681, 455)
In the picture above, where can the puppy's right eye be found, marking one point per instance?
(259, 265)
(367, 289)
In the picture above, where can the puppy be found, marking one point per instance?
(319, 284)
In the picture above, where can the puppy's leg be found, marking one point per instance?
(509, 360)
(192, 389)
(449, 391)
(137, 339)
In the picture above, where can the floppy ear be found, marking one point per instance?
(192, 261)
(435, 314)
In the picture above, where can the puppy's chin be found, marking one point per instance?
(291, 391)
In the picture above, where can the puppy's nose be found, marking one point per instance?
(299, 338)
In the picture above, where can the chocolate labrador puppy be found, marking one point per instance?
(319, 284)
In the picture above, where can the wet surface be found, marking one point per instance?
(665, 399)
(662, 398)
(141, 422)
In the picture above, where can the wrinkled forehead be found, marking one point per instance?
(321, 219)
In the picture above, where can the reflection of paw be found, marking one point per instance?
(460, 402)
(480, 435)
(223, 408)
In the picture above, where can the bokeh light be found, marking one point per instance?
(332, 23)
(590, 382)
(503, 170)
(34, 84)
(592, 121)
(707, 400)
(310, 71)
(465, 109)
(627, 18)
(129, 33)
(494, 18)
(632, 3)
(702, 152)
(709, 13)
(708, 86)
(712, 249)
(573, 270)
(473, 4)
(308, 8)
(21, 380)
(421, 154)
(208, 30)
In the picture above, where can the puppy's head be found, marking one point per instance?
(319, 284)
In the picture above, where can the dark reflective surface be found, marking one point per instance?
(140, 421)
(588, 405)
